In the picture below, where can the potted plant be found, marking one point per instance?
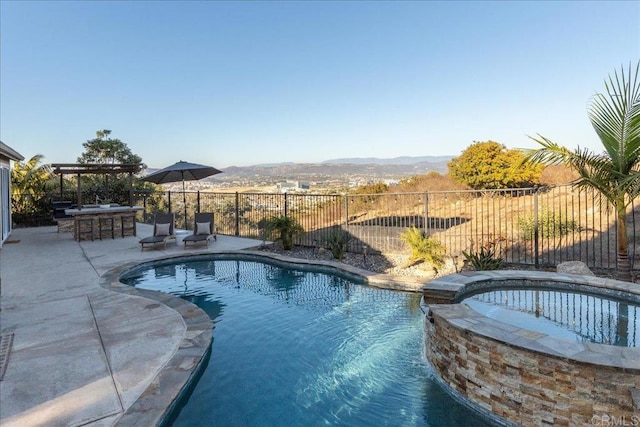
(285, 229)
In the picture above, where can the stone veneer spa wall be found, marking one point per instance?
(522, 376)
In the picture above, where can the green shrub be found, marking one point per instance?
(550, 224)
(424, 248)
(284, 229)
(486, 259)
(337, 243)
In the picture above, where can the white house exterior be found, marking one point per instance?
(7, 155)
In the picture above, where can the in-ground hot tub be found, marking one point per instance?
(524, 369)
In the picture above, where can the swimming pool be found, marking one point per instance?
(294, 347)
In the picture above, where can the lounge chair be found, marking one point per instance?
(203, 230)
(162, 231)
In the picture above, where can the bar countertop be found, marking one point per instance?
(98, 210)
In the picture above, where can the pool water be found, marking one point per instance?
(562, 314)
(305, 348)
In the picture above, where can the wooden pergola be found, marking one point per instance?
(105, 169)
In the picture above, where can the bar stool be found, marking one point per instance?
(84, 228)
(128, 224)
(106, 225)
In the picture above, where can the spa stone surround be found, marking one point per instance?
(524, 377)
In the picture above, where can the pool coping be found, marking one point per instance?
(176, 379)
(170, 384)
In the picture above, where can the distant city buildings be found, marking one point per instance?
(289, 186)
(262, 183)
(360, 182)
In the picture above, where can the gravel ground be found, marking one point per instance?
(394, 264)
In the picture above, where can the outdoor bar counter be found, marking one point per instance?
(96, 213)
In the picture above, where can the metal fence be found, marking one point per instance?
(538, 226)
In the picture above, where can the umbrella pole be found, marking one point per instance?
(184, 201)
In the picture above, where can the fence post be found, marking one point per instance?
(426, 212)
(536, 233)
(346, 210)
(144, 205)
(633, 240)
(286, 207)
(237, 214)
(130, 189)
(79, 194)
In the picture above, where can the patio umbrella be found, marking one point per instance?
(181, 171)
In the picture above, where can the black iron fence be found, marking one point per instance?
(538, 226)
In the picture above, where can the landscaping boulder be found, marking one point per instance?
(574, 267)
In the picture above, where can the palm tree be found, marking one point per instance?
(30, 181)
(615, 174)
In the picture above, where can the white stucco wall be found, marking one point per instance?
(5, 165)
(7, 155)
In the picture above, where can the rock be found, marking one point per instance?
(574, 267)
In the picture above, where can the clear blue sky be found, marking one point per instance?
(242, 83)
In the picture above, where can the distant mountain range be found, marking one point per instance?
(404, 160)
(357, 166)
(343, 169)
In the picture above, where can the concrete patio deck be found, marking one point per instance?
(73, 352)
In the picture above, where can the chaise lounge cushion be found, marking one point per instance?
(203, 228)
(162, 229)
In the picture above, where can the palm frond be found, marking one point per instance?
(632, 184)
(550, 153)
(615, 116)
